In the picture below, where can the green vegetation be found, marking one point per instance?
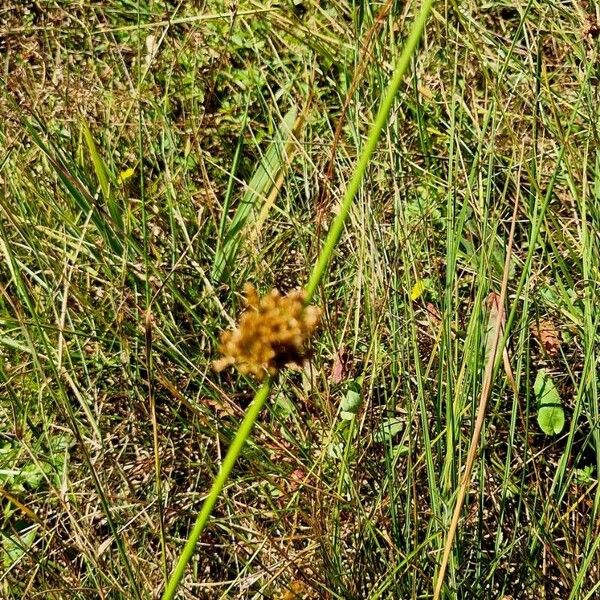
(156, 156)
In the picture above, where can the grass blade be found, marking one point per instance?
(102, 174)
(260, 186)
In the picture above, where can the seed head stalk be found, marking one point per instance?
(319, 271)
(337, 226)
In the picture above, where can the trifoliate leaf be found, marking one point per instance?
(551, 416)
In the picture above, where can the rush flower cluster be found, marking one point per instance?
(273, 331)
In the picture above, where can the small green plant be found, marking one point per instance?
(585, 475)
(551, 415)
(21, 475)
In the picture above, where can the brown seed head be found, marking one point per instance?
(273, 331)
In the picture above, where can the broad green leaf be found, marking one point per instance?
(13, 547)
(351, 402)
(389, 428)
(551, 419)
(551, 416)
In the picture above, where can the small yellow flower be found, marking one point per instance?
(126, 175)
(273, 331)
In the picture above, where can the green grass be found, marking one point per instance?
(113, 424)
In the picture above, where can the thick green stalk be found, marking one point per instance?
(316, 277)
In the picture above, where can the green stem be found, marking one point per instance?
(316, 277)
(232, 454)
(337, 226)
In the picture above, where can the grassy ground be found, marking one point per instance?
(131, 133)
